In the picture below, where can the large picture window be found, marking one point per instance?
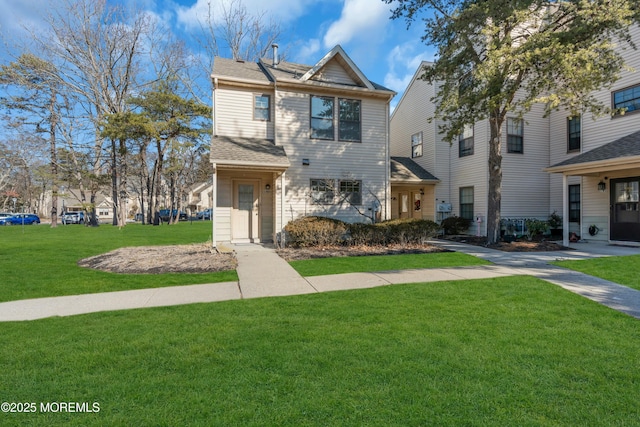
(322, 117)
(349, 128)
(465, 147)
(466, 203)
(416, 145)
(628, 98)
(573, 134)
(262, 107)
(351, 191)
(515, 135)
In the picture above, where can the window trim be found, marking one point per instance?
(624, 89)
(348, 195)
(340, 120)
(255, 107)
(332, 119)
(415, 144)
(570, 121)
(463, 205)
(322, 186)
(520, 135)
(466, 146)
(570, 201)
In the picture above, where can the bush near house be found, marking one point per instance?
(455, 225)
(318, 231)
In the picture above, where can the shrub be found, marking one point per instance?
(315, 231)
(535, 227)
(397, 231)
(455, 225)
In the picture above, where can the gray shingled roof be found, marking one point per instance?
(627, 146)
(224, 67)
(248, 151)
(405, 169)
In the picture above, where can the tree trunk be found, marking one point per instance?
(495, 179)
(114, 184)
(54, 161)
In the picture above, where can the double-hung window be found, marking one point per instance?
(465, 141)
(515, 135)
(416, 145)
(573, 134)
(351, 191)
(349, 128)
(574, 203)
(322, 191)
(628, 99)
(466, 203)
(322, 117)
(262, 107)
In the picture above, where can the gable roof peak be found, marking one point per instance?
(352, 68)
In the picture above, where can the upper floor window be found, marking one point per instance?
(322, 191)
(262, 107)
(515, 135)
(573, 134)
(322, 117)
(628, 98)
(351, 191)
(465, 141)
(349, 128)
(416, 145)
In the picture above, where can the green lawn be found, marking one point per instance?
(623, 269)
(39, 261)
(339, 265)
(496, 352)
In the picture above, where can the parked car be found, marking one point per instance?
(164, 215)
(205, 214)
(5, 214)
(73, 218)
(20, 219)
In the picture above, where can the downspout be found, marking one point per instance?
(387, 184)
(214, 178)
(565, 210)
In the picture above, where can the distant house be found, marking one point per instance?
(291, 140)
(585, 169)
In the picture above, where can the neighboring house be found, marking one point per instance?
(583, 168)
(291, 140)
(200, 197)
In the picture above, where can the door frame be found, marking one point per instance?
(254, 227)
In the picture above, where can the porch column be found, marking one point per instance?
(214, 205)
(282, 208)
(565, 210)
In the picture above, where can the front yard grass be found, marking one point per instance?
(360, 264)
(40, 261)
(499, 352)
(620, 269)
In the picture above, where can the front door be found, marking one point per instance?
(404, 205)
(244, 219)
(625, 213)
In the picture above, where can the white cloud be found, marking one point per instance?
(360, 19)
(403, 62)
(308, 52)
(281, 10)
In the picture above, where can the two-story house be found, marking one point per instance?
(291, 140)
(584, 168)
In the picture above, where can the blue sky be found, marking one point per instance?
(386, 51)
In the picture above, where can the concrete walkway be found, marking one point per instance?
(262, 273)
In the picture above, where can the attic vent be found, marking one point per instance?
(240, 61)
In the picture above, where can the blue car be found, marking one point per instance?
(20, 219)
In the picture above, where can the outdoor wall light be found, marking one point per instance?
(602, 186)
(305, 162)
(267, 187)
(422, 191)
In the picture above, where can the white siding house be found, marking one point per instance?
(586, 169)
(291, 140)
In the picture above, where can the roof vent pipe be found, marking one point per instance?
(276, 60)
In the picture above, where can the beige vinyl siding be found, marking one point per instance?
(223, 210)
(236, 118)
(525, 185)
(333, 72)
(331, 159)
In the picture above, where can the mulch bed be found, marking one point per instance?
(519, 245)
(294, 254)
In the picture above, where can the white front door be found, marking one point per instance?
(244, 218)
